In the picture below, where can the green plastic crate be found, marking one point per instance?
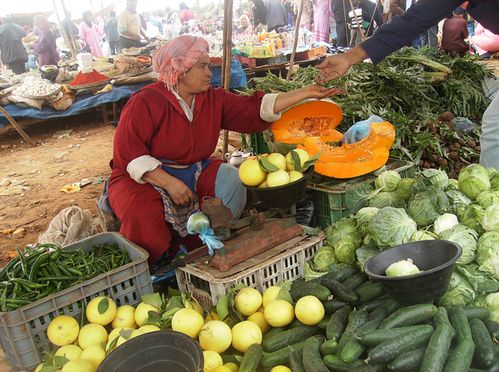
(337, 198)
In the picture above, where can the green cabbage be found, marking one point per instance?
(386, 199)
(486, 198)
(464, 237)
(460, 291)
(492, 304)
(340, 230)
(391, 227)
(457, 200)
(436, 177)
(444, 222)
(310, 273)
(490, 220)
(473, 180)
(422, 235)
(402, 268)
(387, 181)
(425, 206)
(487, 253)
(364, 253)
(344, 251)
(323, 258)
(494, 182)
(405, 188)
(363, 217)
(472, 216)
(480, 281)
(197, 222)
(453, 184)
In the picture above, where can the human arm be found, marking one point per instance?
(178, 191)
(123, 28)
(288, 99)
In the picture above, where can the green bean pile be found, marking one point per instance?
(48, 268)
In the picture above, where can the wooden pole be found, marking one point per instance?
(227, 57)
(67, 38)
(295, 40)
(361, 31)
(17, 127)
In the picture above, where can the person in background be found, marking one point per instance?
(485, 41)
(112, 34)
(276, 15)
(129, 26)
(371, 15)
(12, 50)
(307, 16)
(395, 8)
(89, 34)
(340, 9)
(322, 9)
(454, 32)
(259, 14)
(244, 25)
(161, 153)
(398, 33)
(185, 14)
(69, 28)
(45, 48)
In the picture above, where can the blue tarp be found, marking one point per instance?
(237, 75)
(82, 103)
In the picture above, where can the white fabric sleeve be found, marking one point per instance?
(267, 108)
(138, 166)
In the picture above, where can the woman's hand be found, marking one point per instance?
(178, 191)
(319, 92)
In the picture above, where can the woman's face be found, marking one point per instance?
(198, 78)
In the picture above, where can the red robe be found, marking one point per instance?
(153, 123)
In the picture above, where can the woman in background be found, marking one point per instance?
(45, 48)
(89, 33)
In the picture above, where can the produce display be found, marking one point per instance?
(47, 268)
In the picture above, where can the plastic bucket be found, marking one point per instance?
(155, 351)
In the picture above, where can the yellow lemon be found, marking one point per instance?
(91, 334)
(194, 305)
(278, 178)
(232, 366)
(79, 365)
(69, 351)
(187, 321)
(245, 334)
(259, 319)
(212, 360)
(279, 313)
(142, 313)
(212, 315)
(222, 369)
(247, 301)
(101, 310)
(63, 330)
(270, 295)
(263, 185)
(125, 317)
(38, 368)
(250, 173)
(281, 369)
(278, 160)
(115, 334)
(94, 353)
(149, 328)
(303, 158)
(309, 310)
(215, 336)
(295, 176)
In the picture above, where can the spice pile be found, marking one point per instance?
(88, 78)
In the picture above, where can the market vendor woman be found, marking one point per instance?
(166, 134)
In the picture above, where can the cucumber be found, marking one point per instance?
(355, 319)
(341, 272)
(388, 307)
(330, 306)
(336, 364)
(314, 289)
(409, 361)
(273, 331)
(484, 348)
(372, 367)
(373, 304)
(373, 338)
(312, 360)
(355, 280)
(232, 358)
(329, 347)
(252, 358)
(353, 349)
(409, 315)
(323, 323)
(296, 360)
(493, 327)
(337, 323)
(289, 337)
(391, 349)
(476, 312)
(436, 351)
(280, 356)
(460, 323)
(369, 291)
(339, 291)
(460, 358)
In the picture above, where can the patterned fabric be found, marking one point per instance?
(177, 56)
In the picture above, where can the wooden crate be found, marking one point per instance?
(310, 54)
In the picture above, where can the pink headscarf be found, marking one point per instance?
(177, 56)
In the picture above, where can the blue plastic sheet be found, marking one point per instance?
(237, 75)
(83, 102)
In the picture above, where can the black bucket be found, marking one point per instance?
(155, 351)
(435, 259)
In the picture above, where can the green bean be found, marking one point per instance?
(36, 265)
(22, 259)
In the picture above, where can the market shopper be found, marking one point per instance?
(276, 15)
(484, 41)
(322, 9)
(167, 132)
(129, 26)
(89, 34)
(454, 33)
(112, 34)
(12, 50)
(399, 32)
(45, 48)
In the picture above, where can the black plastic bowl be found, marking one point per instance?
(436, 259)
(156, 351)
(281, 196)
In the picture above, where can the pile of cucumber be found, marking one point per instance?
(365, 330)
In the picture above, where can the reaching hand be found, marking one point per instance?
(179, 192)
(319, 92)
(332, 68)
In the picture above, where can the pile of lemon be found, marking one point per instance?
(85, 347)
(252, 171)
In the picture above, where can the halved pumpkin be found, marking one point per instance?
(312, 118)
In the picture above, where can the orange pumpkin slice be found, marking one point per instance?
(309, 119)
(353, 160)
